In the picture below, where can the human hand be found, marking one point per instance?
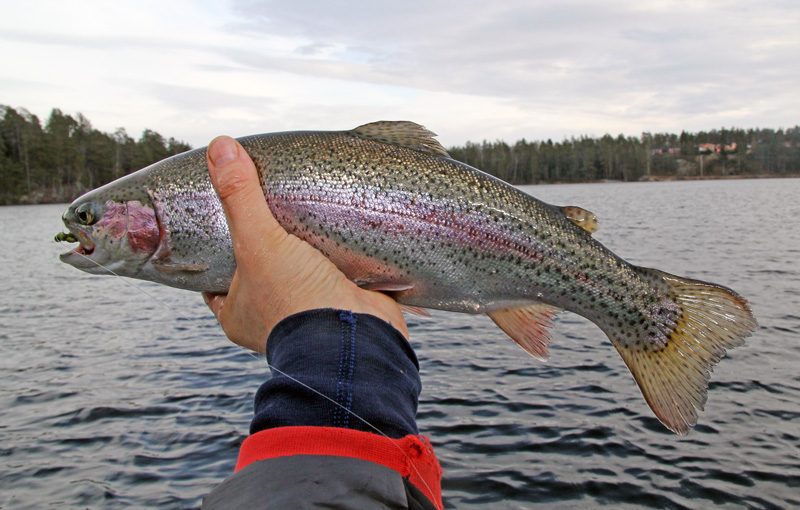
(277, 274)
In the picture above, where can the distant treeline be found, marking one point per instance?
(66, 157)
(727, 152)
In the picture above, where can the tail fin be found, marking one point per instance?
(673, 356)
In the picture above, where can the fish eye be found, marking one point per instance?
(85, 215)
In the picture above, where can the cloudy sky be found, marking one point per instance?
(467, 69)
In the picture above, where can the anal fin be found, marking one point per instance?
(528, 327)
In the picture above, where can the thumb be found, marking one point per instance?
(236, 181)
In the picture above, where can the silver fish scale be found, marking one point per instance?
(466, 241)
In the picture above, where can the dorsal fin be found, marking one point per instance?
(403, 134)
(581, 217)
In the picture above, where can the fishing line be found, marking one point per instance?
(281, 372)
(133, 285)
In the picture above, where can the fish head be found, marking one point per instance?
(117, 230)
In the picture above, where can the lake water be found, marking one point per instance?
(112, 398)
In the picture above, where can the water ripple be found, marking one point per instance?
(113, 400)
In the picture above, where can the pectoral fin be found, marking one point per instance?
(386, 286)
(527, 326)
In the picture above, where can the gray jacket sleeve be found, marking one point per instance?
(317, 481)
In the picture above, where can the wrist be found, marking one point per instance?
(361, 364)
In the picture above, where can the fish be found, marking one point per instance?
(395, 213)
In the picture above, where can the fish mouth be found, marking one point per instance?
(85, 247)
(84, 250)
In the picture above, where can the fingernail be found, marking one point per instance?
(211, 301)
(222, 150)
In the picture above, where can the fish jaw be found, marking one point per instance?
(113, 236)
(86, 256)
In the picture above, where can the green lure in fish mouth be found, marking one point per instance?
(68, 237)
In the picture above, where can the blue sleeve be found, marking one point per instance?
(358, 361)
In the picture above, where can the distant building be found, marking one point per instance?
(710, 147)
(671, 150)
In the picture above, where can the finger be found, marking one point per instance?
(214, 302)
(236, 181)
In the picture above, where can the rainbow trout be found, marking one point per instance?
(395, 213)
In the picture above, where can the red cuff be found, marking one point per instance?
(411, 456)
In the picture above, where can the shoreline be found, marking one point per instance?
(668, 178)
(658, 178)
